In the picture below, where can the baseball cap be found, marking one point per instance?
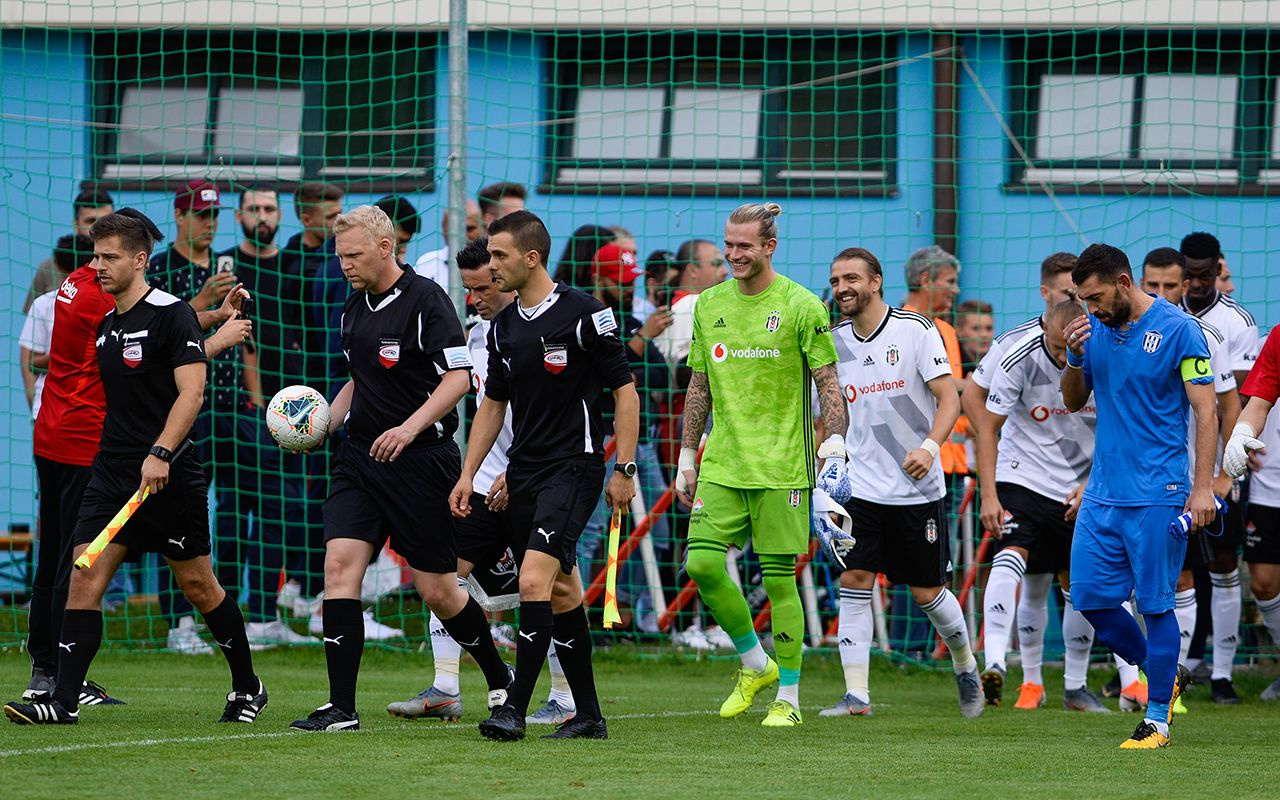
(616, 264)
(197, 196)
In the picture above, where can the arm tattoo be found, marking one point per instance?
(835, 415)
(697, 406)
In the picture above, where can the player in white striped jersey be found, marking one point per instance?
(902, 406)
(1164, 273)
(487, 545)
(1055, 286)
(1032, 477)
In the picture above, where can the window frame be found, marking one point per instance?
(1129, 54)
(771, 52)
(312, 50)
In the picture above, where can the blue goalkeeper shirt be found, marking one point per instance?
(1136, 374)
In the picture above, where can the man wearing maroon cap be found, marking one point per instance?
(614, 270)
(187, 271)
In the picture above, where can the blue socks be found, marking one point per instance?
(1156, 653)
(1119, 631)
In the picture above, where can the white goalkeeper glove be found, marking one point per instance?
(835, 540)
(1242, 442)
(833, 477)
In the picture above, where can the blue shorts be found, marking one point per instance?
(1121, 549)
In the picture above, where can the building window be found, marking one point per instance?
(251, 106)
(1142, 109)
(664, 112)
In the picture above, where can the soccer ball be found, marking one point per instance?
(298, 418)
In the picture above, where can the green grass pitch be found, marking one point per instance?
(666, 740)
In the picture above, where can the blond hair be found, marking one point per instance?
(763, 214)
(371, 219)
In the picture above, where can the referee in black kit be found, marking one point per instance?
(152, 358)
(551, 355)
(409, 367)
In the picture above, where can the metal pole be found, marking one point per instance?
(455, 235)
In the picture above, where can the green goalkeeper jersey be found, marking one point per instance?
(757, 351)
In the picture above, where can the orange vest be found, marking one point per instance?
(955, 460)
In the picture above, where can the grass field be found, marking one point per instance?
(666, 740)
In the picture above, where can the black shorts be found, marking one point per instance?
(406, 500)
(1262, 545)
(1199, 551)
(1036, 524)
(909, 544)
(173, 522)
(1233, 527)
(553, 502)
(485, 536)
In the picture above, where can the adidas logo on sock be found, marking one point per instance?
(870, 362)
(719, 323)
(783, 637)
(1028, 629)
(998, 608)
(846, 642)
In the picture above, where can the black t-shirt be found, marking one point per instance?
(137, 353)
(313, 313)
(276, 326)
(398, 345)
(172, 273)
(553, 364)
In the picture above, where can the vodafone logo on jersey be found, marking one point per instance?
(720, 352)
(1042, 413)
(851, 392)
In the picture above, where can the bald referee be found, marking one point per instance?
(152, 360)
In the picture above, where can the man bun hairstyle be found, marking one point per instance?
(475, 255)
(762, 214)
(527, 230)
(1102, 261)
(135, 229)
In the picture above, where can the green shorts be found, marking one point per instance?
(776, 520)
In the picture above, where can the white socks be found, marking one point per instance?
(999, 603)
(1033, 616)
(948, 619)
(1077, 636)
(1184, 609)
(1226, 621)
(445, 652)
(1270, 611)
(559, 683)
(856, 625)
(791, 694)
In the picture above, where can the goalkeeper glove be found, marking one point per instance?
(1242, 442)
(688, 460)
(833, 477)
(835, 540)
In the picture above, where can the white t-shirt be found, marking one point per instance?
(990, 363)
(1043, 446)
(891, 409)
(674, 342)
(1264, 485)
(435, 265)
(1239, 331)
(37, 336)
(1224, 380)
(496, 462)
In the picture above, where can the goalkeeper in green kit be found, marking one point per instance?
(757, 341)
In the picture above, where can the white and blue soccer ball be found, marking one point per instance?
(298, 418)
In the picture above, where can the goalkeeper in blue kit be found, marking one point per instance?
(1147, 364)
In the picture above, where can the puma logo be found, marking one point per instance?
(224, 645)
(568, 645)
(528, 636)
(66, 647)
(179, 542)
(470, 644)
(335, 640)
(546, 535)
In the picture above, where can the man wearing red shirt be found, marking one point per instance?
(66, 440)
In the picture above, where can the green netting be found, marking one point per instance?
(1010, 132)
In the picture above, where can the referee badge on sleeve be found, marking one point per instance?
(555, 357)
(604, 322)
(457, 358)
(389, 352)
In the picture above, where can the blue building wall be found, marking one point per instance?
(45, 146)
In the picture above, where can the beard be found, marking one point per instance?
(261, 234)
(854, 305)
(1119, 314)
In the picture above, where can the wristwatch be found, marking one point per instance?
(628, 469)
(162, 453)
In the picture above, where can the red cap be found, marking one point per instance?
(197, 196)
(616, 264)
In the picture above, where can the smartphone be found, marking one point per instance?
(247, 308)
(226, 264)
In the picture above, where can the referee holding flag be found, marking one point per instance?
(551, 353)
(152, 359)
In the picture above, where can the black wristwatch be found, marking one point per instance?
(162, 453)
(628, 469)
